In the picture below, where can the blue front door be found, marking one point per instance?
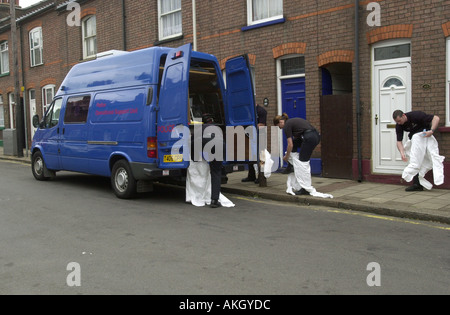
(293, 93)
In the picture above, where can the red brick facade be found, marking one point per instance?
(322, 31)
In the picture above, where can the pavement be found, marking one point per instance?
(376, 198)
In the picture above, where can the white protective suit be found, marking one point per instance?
(424, 156)
(267, 164)
(301, 178)
(198, 186)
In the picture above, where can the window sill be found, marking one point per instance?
(259, 25)
(4, 75)
(444, 130)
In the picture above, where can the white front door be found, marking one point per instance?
(32, 98)
(392, 91)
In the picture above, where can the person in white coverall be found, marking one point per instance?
(300, 134)
(422, 148)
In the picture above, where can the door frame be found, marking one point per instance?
(376, 66)
(32, 111)
(280, 78)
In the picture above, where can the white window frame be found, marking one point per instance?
(12, 104)
(4, 53)
(250, 20)
(2, 113)
(160, 22)
(47, 101)
(447, 120)
(89, 38)
(37, 31)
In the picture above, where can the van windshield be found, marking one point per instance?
(205, 96)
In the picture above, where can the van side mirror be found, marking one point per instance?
(36, 121)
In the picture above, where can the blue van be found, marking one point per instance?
(114, 116)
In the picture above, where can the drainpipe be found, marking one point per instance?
(358, 92)
(25, 108)
(124, 26)
(194, 23)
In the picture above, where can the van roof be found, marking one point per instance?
(122, 70)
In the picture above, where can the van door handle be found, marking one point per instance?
(376, 120)
(64, 130)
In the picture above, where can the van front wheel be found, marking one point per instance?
(38, 166)
(122, 180)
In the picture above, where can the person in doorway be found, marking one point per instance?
(261, 115)
(422, 148)
(300, 134)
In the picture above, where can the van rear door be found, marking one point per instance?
(240, 95)
(173, 108)
(241, 109)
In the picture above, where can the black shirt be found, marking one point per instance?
(261, 113)
(295, 127)
(417, 122)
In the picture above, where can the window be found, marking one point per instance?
(89, 37)
(293, 66)
(170, 19)
(48, 92)
(393, 52)
(77, 110)
(4, 58)
(52, 117)
(393, 82)
(260, 11)
(36, 47)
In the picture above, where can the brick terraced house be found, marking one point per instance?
(309, 59)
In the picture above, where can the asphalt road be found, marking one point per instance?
(158, 244)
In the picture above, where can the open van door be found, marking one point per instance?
(173, 108)
(241, 107)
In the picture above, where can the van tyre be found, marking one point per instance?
(38, 166)
(122, 180)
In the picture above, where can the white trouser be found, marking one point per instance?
(424, 156)
(198, 186)
(301, 178)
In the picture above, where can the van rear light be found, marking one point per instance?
(177, 55)
(152, 147)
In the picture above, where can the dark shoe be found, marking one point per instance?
(289, 169)
(257, 181)
(414, 188)
(248, 180)
(215, 204)
(302, 192)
